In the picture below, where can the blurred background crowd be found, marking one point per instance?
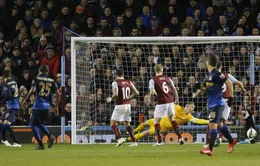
(31, 35)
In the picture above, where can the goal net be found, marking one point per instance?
(95, 60)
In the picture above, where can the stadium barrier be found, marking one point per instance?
(104, 134)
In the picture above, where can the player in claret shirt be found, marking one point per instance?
(122, 89)
(165, 90)
(213, 84)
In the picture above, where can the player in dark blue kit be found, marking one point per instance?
(43, 87)
(10, 95)
(213, 84)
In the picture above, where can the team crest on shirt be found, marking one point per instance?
(222, 76)
(212, 115)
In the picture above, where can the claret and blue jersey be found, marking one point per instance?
(44, 87)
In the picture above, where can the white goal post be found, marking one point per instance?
(94, 59)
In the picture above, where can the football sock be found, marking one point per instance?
(158, 132)
(176, 129)
(36, 134)
(207, 135)
(213, 136)
(116, 130)
(225, 131)
(137, 137)
(131, 133)
(3, 133)
(44, 129)
(1, 126)
(12, 134)
(139, 128)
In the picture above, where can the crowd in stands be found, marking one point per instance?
(31, 35)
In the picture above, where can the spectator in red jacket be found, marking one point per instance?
(52, 61)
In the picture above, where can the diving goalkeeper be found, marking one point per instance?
(182, 116)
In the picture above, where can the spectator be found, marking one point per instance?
(28, 18)
(146, 16)
(109, 17)
(129, 20)
(195, 5)
(45, 22)
(154, 7)
(192, 27)
(212, 19)
(155, 29)
(64, 17)
(201, 32)
(169, 69)
(37, 7)
(36, 29)
(88, 12)
(31, 68)
(25, 80)
(67, 113)
(90, 27)
(231, 14)
(224, 25)
(116, 32)
(106, 28)
(101, 116)
(134, 6)
(52, 61)
(52, 10)
(157, 59)
(99, 9)
(79, 18)
(168, 16)
(7, 48)
(145, 107)
(26, 48)
(139, 25)
(19, 62)
(166, 31)
(219, 7)
(121, 25)
(11, 20)
(255, 32)
(175, 26)
(239, 31)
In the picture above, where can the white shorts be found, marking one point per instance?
(122, 113)
(226, 112)
(162, 110)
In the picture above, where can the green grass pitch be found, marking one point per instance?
(143, 155)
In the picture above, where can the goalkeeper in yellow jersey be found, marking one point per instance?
(182, 116)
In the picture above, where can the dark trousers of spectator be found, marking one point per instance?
(250, 122)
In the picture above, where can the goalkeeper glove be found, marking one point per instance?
(230, 101)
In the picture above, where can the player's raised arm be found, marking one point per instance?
(134, 90)
(31, 92)
(151, 88)
(175, 93)
(229, 85)
(236, 82)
